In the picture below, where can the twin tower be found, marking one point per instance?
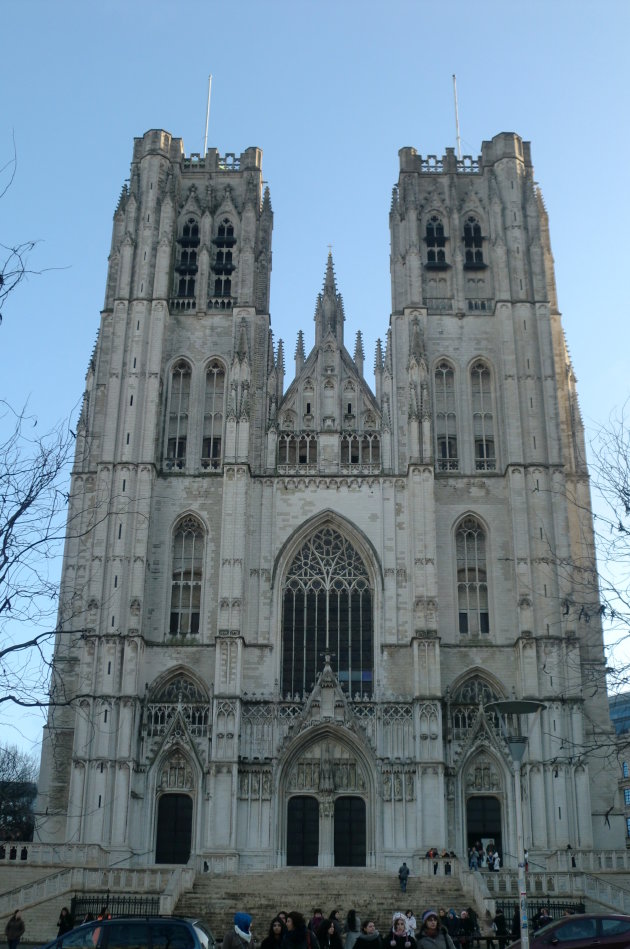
(285, 607)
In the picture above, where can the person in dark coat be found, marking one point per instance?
(432, 934)
(65, 922)
(327, 935)
(277, 929)
(14, 929)
(501, 928)
(298, 935)
(240, 936)
(370, 937)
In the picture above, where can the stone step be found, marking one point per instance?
(215, 898)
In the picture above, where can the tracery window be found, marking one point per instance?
(473, 243)
(445, 419)
(483, 421)
(435, 240)
(327, 608)
(224, 263)
(188, 546)
(465, 704)
(179, 696)
(212, 442)
(361, 451)
(186, 266)
(296, 451)
(177, 416)
(472, 587)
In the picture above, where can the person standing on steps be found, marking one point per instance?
(14, 929)
(403, 876)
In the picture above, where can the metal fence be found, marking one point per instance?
(113, 904)
(557, 908)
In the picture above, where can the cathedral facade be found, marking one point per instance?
(286, 608)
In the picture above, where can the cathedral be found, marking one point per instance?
(287, 605)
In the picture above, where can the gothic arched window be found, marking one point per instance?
(483, 421)
(327, 608)
(177, 415)
(472, 585)
(473, 243)
(188, 545)
(223, 264)
(186, 267)
(435, 240)
(445, 419)
(213, 416)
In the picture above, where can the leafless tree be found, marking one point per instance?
(34, 472)
(18, 788)
(13, 257)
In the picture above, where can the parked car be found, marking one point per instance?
(582, 931)
(137, 932)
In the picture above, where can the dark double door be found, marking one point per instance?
(303, 832)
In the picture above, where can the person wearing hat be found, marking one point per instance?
(240, 937)
(399, 936)
(432, 934)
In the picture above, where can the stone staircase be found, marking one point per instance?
(215, 898)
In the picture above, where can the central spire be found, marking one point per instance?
(329, 315)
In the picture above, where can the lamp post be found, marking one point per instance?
(510, 714)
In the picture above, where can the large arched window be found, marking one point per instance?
(186, 577)
(435, 240)
(177, 421)
(213, 417)
(472, 585)
(473, 243)
(186, 267)
(483, 422)
(327, 608)
(445, 419)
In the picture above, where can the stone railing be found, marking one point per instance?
(590, 861)
(54, 855)
(559, 884)
(181, 880)
(81, 879)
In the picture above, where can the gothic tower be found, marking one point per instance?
(284, 611)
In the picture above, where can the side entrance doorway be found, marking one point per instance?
(302, 831)
(174, 828)
(483, 821)
(349, 832)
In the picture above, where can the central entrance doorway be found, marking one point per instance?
(174, 828)
(302, 831)
(349, 832)
(483, 821)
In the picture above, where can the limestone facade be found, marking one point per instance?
(284, 609)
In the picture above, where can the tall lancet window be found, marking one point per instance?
(177, 416)
(327, 608)
(483, 421)
(472, 584)
(446, 458)
(187, 574)
(213, 417)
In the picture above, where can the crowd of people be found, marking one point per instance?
(439, 928)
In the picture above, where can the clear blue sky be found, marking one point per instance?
(330, 90)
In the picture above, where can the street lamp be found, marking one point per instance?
(510, 714)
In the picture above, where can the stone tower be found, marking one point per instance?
(284, 611)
